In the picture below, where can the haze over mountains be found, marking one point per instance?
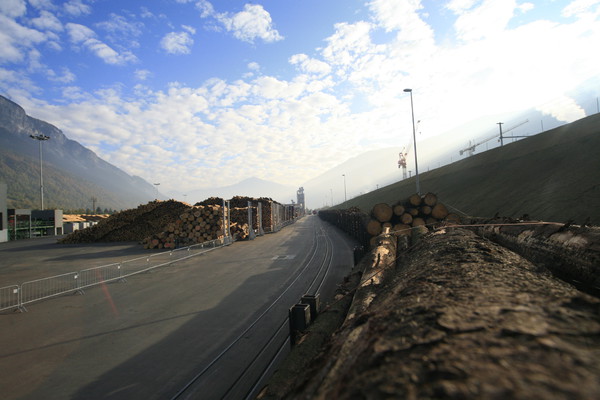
(73, 174)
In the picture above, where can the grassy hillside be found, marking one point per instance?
(22, 175)
(553, 176)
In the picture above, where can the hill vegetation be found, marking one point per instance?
(61, 190)
(73, 174)
(553, 176)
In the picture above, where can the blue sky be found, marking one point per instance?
(197, 93)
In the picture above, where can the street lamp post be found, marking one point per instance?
(345, 196)
(41, 138)
(412, 108)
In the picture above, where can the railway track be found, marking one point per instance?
(309, 277)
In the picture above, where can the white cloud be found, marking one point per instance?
(401, 16)
(47, 21)
(563, 109)
(579, 7)
(42, 4)
(145, 13)
(84, 36)
(190, 29)
(460, 5)
(488, 19)
(122, 30)
(251, 24)
(13, 8)
(79, 33)
(16, 39)
(206, 9)
(142, 74)
(310, 65)
(177, 43)
(77, 8)
(66, 76)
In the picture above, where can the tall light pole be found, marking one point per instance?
(41, 138)
(345, 197)
(412, 109)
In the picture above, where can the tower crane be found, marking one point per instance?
(404, 154)
(402, 161)
(470, 149)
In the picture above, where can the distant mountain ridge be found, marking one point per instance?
(73, 174)
(252, 187)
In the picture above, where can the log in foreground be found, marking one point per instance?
(461, 317)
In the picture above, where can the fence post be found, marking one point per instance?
(259, 218)
(251, 234)
(20, 301)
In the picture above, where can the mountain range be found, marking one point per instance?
(73, 175)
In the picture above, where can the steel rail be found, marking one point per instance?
(327, 260)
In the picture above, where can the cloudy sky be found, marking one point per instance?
(193, 94)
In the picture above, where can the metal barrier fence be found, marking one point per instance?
(45, 288)
(17, 296)
(9, 297)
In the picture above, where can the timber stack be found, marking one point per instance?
(196, 225)
(239, 214)
(269, 213)
(239, 221)
(129, 225)
(410, 217)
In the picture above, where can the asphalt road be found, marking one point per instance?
(204, 320)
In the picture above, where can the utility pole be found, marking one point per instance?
(41, 138)
(501, 138)
(412, 110)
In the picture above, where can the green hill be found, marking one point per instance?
(553, 176)
(73, 174)
(61, 190)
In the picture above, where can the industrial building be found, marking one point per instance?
(18, 224)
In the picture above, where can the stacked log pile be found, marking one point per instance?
(352, 221)
(415, 214)
(239, 206)
(197, 224)
(239, 222)
(129, 225)
(211, 201)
